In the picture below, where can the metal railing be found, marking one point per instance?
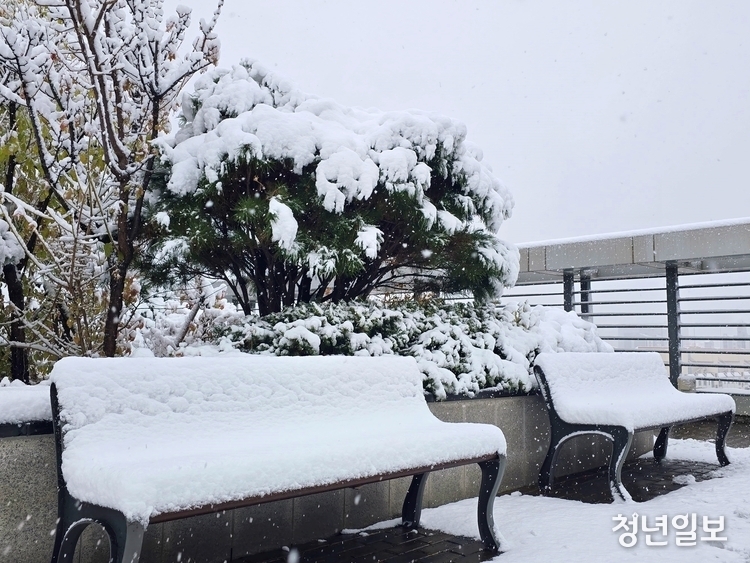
(698, 322)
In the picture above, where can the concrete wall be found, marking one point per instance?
(743, 405)
(28, 499)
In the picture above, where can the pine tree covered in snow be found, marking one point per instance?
(299, 199)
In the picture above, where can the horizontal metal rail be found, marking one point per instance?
(638, 338)
(716, 312)
(623, 290)
(717, 338)
(720, 352)
(720, 284)
(700, 377)
(508, 294)
(715, 298)
(658, 350)
(744, 367)
(714, 325)
(655, 301)
(550, 282)
(626, 314)
(600, 326)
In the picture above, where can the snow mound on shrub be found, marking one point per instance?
(461, 349)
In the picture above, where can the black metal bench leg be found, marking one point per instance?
(125, 540)
(725, 423)
(71, 521)
(66, 539)
(546, 472)
(621, 440)
(492, 474)
(412, 509)
(660, 447)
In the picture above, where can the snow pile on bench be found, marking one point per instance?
(151, 435)
(20, 403)
(629, 389)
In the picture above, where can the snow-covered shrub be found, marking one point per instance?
(460, 348)
(179, 323)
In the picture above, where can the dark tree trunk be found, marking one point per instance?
(305, 286)
(116, 291)
(19, 356)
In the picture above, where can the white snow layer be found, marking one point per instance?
(21, 403)
(283, 224)
(11, 251)
(629, 389)
(369, 240)
(249, 111)
(550, 529)
(152, 435)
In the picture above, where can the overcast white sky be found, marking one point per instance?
(599, 116)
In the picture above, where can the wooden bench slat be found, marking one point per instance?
(210, 509)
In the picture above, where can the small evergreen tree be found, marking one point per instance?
(290, 198)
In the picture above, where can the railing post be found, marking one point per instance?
(585, 296)
(673, 322)
(568, 281)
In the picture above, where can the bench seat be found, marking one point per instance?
(200, 463)
(617, 394)
(155, 439)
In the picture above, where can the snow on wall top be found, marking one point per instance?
(21, 403)
(629, 389)
(640, 232)
(249, 110)
(208, 430)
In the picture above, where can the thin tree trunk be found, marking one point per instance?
(305, 286)
(116, 291)
(19, 356)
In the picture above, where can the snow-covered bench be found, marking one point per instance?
(617, 394)
(144, 440)
(24, 409)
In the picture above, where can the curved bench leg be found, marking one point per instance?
(725, 423)
(492, 474)
(66, 539)
(660, 447)
(547, 471)
(412, 509)
(621, 440)
(71, 521)
(125, 538)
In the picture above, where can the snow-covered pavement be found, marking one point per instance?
(549, 529)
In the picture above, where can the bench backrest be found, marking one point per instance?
(261, 389)
(572, 374)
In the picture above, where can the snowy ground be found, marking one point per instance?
(548, 529)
